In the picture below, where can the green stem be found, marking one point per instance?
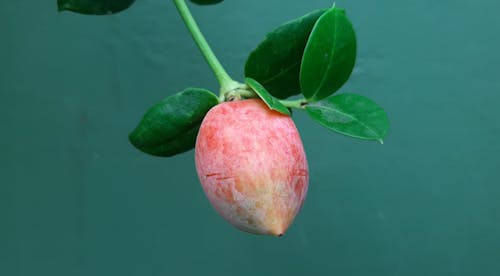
(224, 79)
(300, 103)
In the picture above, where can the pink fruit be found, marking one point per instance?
(252, 166)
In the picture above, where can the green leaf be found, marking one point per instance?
(276, 61)
(94, 7)
(352, 115)
(329, 56)
(270, 101)
(170, 127)
(206, 2)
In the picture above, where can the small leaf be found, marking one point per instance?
(352, 115)
(94, 7)
(275, 63)
(206, 2)
(329, 56)
(170, 127)
(270, 101)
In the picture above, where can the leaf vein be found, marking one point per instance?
(374, 132)
(330, 61)
(282, 72)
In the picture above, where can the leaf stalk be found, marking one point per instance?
(299, 104)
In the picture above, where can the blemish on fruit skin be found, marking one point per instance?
(212, 174)
(252, 166)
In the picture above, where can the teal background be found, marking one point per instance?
(77, 199)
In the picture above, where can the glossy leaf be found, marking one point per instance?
(94, 7)
(329, 56)
(275, 63)
(352, 115)
(170, 126)
(206, 2)
(270, 101)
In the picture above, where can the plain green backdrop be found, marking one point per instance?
(77, 199)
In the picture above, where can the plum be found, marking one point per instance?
(252, 166)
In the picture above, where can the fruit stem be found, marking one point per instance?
(225, 81)
(300, 103)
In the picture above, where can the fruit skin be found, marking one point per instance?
(252, 166)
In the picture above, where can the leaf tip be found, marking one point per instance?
(381, 141)
(132, 138)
